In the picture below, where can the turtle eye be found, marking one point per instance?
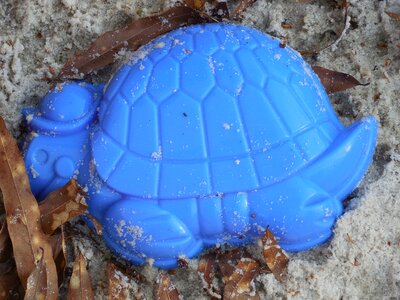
(67, 102)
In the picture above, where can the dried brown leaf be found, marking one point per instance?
(37, 282)
(227, 261)
(274, 256)
(241, 8)
(23, 215)
(196, 4)
(393, 15)
(101, 52)
(165, 289)
(9, 281)
(62, 205)
(2, 210)
(220, 11)
(335, 81)
(240, 283)
(96, 224)
(118, 283)
(5, 242)
(207, 271)
(57, 242)
(286, 25)
(80, 286)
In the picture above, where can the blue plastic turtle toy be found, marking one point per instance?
(208, 135)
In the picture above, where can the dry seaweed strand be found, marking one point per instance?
(23, 215)
(80, 286)
(62, 205)
(165, 289)
(102, 51)
(274, 256)
(334, 81)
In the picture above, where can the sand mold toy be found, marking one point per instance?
(208, 135)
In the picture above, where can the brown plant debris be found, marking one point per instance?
(2, 210)
(286, 25)
(283, 42)
(165, 289)
(37, 283)
(335, 81)
(80, 286)
(118, 283)
(227, 261)
(102, 51)
(220, 11)
(23, 216)
(274, 256)
(9, 282)
(62, 205)
(240, 284)
(239, 10)
(98, 228)
(196, 4)
(5, 242)
(393, 15)
(207, 272)
(57, 242)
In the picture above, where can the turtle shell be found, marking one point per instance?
(209, 109)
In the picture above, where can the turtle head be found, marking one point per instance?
(58, 134)
(67, 108)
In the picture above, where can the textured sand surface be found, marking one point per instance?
(363, 258)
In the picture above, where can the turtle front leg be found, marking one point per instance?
(140, 231)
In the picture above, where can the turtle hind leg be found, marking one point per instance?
(140, 231)
(298, 211)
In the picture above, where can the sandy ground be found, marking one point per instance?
(363, 258)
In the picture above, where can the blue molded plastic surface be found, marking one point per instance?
(210, 134)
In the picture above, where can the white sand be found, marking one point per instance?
(363, 259)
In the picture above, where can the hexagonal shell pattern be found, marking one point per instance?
(209, 109)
